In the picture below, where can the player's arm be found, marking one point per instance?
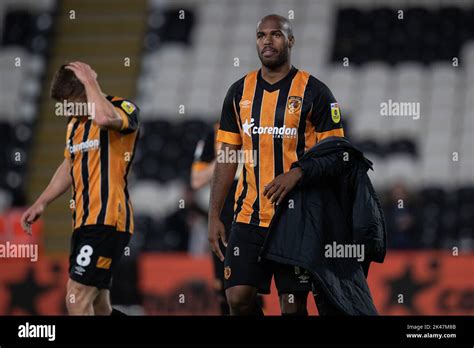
(222, 179)
(201, 176)
(106, 115)
(224, 171)
(317, 169)
(204, 161)
(326, 115)
(60, 183)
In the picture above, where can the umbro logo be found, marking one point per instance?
(245, 104)
(304, 278)
(79, 270)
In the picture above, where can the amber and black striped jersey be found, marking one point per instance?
(280, 122)
(100, 162)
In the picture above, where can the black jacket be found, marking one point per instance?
(333, 202)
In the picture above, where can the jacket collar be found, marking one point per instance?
(333, 144)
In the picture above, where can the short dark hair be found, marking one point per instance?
(284, 23)
(66, 85)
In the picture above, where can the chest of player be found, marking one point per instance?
(83, 137)
(272, 115)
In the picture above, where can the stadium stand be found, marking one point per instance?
(25, 31)
(185, 54)
(427, 59)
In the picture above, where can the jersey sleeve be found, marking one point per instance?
(229, 131)
(205, 151)
(326, 115)
(129, 113)
(67, 154)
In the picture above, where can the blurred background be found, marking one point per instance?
(176, 60)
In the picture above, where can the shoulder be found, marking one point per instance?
(318, 90)
(237, 86)
(120, 100)
(317, 85)
(125, 104)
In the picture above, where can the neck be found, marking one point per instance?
(273, 75)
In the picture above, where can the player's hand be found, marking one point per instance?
(30, 216)
(83, 72)
(277, 189)
(216, 231)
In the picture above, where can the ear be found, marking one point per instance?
(291, 41)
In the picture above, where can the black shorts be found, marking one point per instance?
(95, 250)
(243, 267)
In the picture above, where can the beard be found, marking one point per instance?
(276, 61)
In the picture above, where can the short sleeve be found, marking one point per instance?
(67, 153)
(326, 115)
(229, 131)
(205, 151)
(129, 113)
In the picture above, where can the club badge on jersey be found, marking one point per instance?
(294, 104)
(335, 113)
(128, 107)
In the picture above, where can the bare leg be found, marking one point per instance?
(80, 298)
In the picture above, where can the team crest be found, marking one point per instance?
(294, 104)
(128, 107)
(227, 273)
(335, 113)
